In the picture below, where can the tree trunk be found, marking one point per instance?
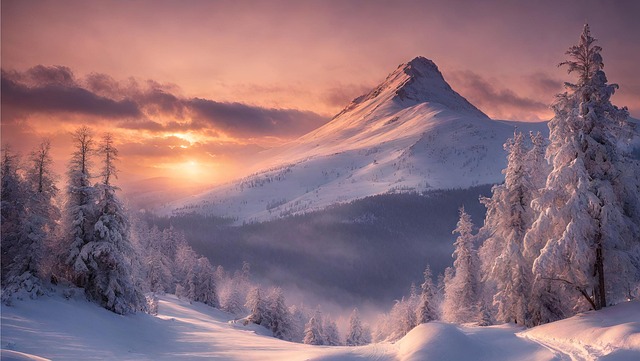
(601, 297)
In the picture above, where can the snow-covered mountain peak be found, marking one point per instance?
(411, 133)
(417, 81)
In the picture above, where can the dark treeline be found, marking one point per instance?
(364, 251)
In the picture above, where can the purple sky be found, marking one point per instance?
(203, 84)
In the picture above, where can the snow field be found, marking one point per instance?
(73, 329)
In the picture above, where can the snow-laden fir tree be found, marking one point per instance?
(14, 213)
(13, 203)
(256, 305)
(462, 292)
(80, 211)
(44, 214)
(537, 167)
(356, 335)
(402, 318)
(200, 285)
(331, 334)
(443, 279)
(39, 225)
(588, 222)
(106, 260)
(509, 216)
(313, 333)
(298, 320)
(184, 259)
(426, 311)
(278, 319)
(157, 265)
(231, 297)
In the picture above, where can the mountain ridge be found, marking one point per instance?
(411, 133)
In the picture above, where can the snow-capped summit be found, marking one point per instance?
(418, 81)
(410, 133)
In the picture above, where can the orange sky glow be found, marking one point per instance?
(194, 90)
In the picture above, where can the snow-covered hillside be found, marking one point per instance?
(72, 329)
(411, 133)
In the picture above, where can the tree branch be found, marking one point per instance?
(578, 288)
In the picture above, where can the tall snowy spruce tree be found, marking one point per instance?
(462, 291)
(13, 207)
(313, 332)
(80, 205)
(509, 215)
(356, 334)
(588, 222)
(105, 256)
(278, 318)
(331, 333)
(39, 223)
(14, 212)
(426, 311)
(257, 306)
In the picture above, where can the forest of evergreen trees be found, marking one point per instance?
(89, 243)
(561, 234)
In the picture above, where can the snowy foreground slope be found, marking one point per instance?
(60, 329)
(411, 133)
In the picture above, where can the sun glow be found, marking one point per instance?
(192, 168)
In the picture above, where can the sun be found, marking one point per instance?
(192, 166)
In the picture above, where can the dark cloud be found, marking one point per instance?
(158, 101)
(485, 92)
(149, 125)
(103, 85)
(504, 103)
(341, 96)
(246, 120)
(52, 98)
(544, 84)
(41, 75)
(151, 106)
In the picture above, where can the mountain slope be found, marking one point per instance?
(411, 133)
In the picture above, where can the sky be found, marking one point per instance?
(193, 90)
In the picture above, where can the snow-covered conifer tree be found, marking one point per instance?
(356, 335)
(462, 291)
(157, 265)
(508, 218)
(80, 212)
(588, 219)
(402, 318)
(256, 305)
(44, 213)
(298, 317)
(231, 297)
(443, 279)
(313, 333)
(331, 334)
(106, 259)
(278, 317)
(14, 212)
(184, 256)
(202, 286)
(537, 167)
(426, 307)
